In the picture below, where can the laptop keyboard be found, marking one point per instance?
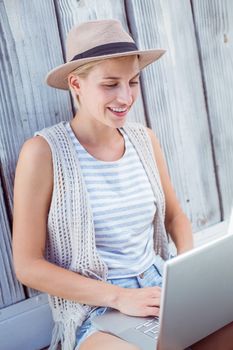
(150, 327)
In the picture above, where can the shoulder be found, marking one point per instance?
(33, 182)
(153, 137)
(136, 129)
(141, 128)
(34, 164)
(156, 148)
(34, 174)
(134, 126)
(146, 134)
(158, 153)
(40, 146)
(52, 130)
(36, 149)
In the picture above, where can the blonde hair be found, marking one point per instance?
(83, 72)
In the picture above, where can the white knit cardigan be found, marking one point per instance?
(70, 228)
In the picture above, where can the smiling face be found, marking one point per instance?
(108, 91)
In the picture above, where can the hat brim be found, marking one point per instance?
(57, 77)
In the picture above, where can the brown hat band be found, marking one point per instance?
(107, 49)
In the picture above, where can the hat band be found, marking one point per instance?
(107, 49)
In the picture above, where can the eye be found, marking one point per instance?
(110, 85)
(134, 82)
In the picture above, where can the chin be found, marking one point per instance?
(115, 123)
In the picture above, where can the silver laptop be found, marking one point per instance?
(197, 299)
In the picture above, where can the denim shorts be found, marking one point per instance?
(149, 278)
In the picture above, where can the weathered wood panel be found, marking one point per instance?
(11, 290)
(32, 39)
(214, 29)
(29, 47)
(26, 325)
(175, 103)
(71, 12)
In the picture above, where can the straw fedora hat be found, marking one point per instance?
(95, 40)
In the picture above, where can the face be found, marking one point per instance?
(109, 91)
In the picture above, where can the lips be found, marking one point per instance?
(119, 112)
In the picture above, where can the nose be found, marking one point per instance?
(125, 95)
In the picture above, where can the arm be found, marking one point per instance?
(176, 222)
(32, 196)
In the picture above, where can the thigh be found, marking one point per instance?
(219, 340)
(104, 341)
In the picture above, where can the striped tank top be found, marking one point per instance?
(123, 206)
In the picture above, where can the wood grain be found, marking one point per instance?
(11, 290)
(214, 29)
(29, 47)
(175, 104)
(186, 98)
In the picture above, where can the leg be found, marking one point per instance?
(219, 340)
(104, 341)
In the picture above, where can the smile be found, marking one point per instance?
(114, 109)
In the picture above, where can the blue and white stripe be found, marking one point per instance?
(123, 207)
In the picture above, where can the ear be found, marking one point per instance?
(73, 81)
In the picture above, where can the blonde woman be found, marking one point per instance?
(90, 225)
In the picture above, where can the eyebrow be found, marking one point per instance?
(119, 77)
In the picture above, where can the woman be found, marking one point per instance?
(90, 195)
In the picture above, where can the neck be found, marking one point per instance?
(93, 132)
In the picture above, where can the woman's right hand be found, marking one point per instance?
(139, 301)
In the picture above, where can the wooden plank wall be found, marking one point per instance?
(26, 103)
(186, 97)
(11, 290)
(213, 21)
(175, 103)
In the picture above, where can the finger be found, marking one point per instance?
(152, 311)
(154, 302)
(155, 294)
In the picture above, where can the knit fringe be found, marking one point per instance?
(56, 336)
(64, 334)
(69, 336)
